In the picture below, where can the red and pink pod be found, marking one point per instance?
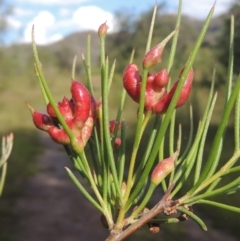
(117, 143)
(160, 80)
(65, 107)
(40, 120)
(163, 104)
(58, 135)
(82, 103)
(132, 81)
(162, 169)
(154, 55)
(102, 30)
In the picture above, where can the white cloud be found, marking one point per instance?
(63, 12)
(13, 23)
(20, 12)
(82, 19)
(91, 17)
(43, 22)
(53, 2)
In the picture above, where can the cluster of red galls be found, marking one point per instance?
(156, 97)
(80, 112)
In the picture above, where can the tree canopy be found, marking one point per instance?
(223, 43)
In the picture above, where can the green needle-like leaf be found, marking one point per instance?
(220, 205)
(194, 217)
(83, 190)
(210, 166)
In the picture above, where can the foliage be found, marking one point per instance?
(224, 37)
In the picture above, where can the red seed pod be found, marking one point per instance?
(65, 107)
(132, 81)
(40, 120)
(163, 168)
(149, 83)
(154, 55)
(152, 98)
(186, 90)
(162, 106)
(51, 111)
(87, 130)
(58, 135)
(82, 103)
(117, 143)
(78, 145)
(102, 30)
(160, 80)
(123, 188)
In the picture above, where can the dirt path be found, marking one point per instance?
(53, 209)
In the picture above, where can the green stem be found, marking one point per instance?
(111, 75)
(106, 133)
(74, 67)
(172, 133)
(203, 141)
(89, 65)
(139, 125)
(83, 190)
(144, 201)
(215, 192)
(194, 217)
(237, 124)
(186, 150)
(175, 37)
(121, 161)
(48, 92)
(223, 171)
(230, 61)
(220, 205)
(208, 168)
(106, 141)
(130, 179)
(3, 177)
(143, 162)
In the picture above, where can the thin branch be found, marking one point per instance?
(158, 208)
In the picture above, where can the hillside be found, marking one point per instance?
(63, 51)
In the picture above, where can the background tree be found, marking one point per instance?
(223, 46)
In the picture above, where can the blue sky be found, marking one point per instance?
(54, 19)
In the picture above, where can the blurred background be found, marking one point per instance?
(39, 202)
